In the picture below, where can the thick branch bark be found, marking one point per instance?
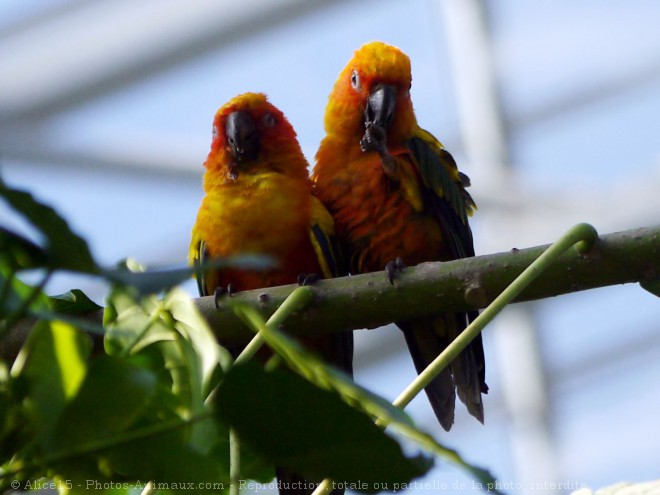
(369, 301)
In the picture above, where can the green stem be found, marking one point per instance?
(297, 300)
(234, 463)
(584, 235)
(148, 489)
(251, 349)
(324, 487)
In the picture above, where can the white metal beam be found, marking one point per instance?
(105, 44)
(521, 374)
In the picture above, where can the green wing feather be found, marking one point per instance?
(197, 256)
(445, 193)
(447, 200)
(325, 243)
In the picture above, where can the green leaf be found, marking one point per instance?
(73, 302)
(156, 450)
(147, 282)
(142, 328)
(131, 274)
(326, 377)
(323, 376)
(191, 325)
(311, 431)
(112, 429)
(172, 338)
(50, 367)
(10, 418)
(14, 294)
(171, 463)
(126, 320)
(19, 252)
(653, 286)
(114, 394)
(253, 466)
(173, 326)
(66, 250)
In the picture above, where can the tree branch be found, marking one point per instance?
(369, 301)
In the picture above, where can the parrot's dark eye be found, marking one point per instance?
(269, 120)
(355, 80)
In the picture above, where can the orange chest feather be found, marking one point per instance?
(268, 214)
(378, 218)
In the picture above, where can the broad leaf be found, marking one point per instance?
(131, 274)
(10, 420)
(311, 431)
(323, 376)
(253, 466)
(19, 252)
(14, 294)
(114, 394)
(50, 368)
(190, 324)
(65, 249)
(653, 286)
(171, 337)
(132, 432)
(171, 463)
(73, 302)
(318, 373)
(175, 329)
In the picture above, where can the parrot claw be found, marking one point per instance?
(221, 292)
(394, 267)
(308, 279)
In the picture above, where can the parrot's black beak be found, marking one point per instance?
(242, 136)
(380, 106)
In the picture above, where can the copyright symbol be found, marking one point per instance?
(15, 484)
